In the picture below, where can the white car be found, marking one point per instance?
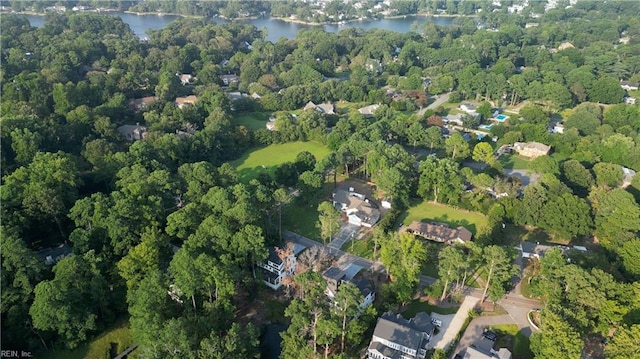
(436, 322)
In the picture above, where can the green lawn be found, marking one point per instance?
(302, 219)
(511, 338)
(252, 120)
(429, 211)
(118, 337)
(266, 159)
(514, 162)
(417, 306)
(359, 247)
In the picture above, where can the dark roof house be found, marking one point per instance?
(439, 232)
(396, 337)
(51, 256)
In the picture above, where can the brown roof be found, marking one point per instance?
(439, 231)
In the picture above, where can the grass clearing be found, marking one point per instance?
(113, 341)
(301, 219)
(513, 339)
(252, 120)
(360, 247)
(416, 306)
(429, 212)
(514, 162)
(266, 159)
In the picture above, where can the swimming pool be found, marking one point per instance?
(501, 117)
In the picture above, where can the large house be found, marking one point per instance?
(51, 256)
(133, 133)
(189, 100)
(629, 86)
(186, 79)
(439, 232)
(325, 108)
(531, 149)
(140, 104)
(368, 111)
(396, 337)
(335, 277)
(229, 79)
(280, 264)
(359, 210)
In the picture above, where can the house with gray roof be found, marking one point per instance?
(395, 337)
(359, 210)
(335, 277)
(368, 111)
(133, 132)
(51, 256)
(325, 108)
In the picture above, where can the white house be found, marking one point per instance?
(359, 210)
(629, 86)
(280, 264)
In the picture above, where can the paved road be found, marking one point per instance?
(449, 335)
(439, 101)
(347, 232)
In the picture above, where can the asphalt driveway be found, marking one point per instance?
(347, 232)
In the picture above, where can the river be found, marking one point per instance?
(276, 29)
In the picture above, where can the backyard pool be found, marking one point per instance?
(501, 117)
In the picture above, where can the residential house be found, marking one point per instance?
(537, 250)
(133, 133)
(229, 79)
(368, 111)
(51, 256)
(189, 100)
(483, 349)
(335, 277)
(140, 104)
(629, 100)
(629, 86)
(557, 128)
(533, 249)
(235, 96)
(224, 63)
(386, 203)
(531, 149)
(271, 125)
(186, 79)
(456, 119)
(628, 176)
(565, 45)
(468, 108)
(325, 108)
(280, 264)
(255, 96)
(396, 337)
(439, 232)
(359, 210)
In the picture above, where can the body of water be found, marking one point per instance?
(276, 29)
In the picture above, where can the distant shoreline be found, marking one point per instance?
(296, 21)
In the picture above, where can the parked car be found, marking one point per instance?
(436, 322)
(490, 335)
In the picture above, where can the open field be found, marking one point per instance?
(514, 162)
(429, 211)
(113, 341)
(266, 159)
(252, 120)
